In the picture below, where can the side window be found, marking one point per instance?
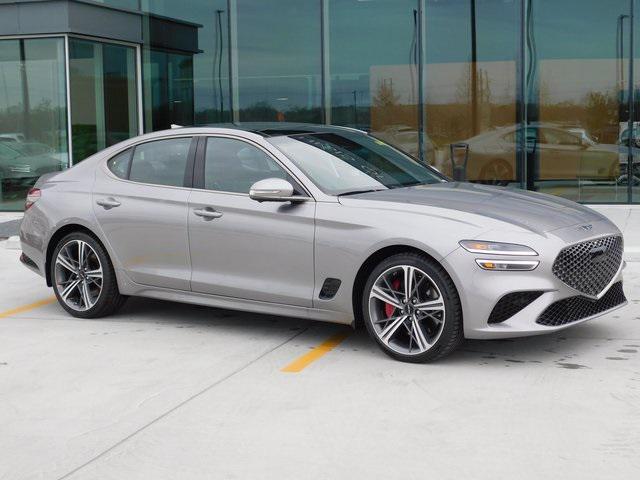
(558, 137)
(119, 165)
(233, 166)
(162, 162)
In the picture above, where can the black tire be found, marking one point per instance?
(490, 173)
(109, 299)
(452, 331)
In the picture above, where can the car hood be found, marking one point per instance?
(535, 212)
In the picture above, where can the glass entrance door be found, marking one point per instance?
(104, 102)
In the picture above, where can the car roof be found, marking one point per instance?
(275, 129)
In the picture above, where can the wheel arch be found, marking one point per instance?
(56, 237)
(370, 263)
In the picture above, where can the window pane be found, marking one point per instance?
(233, 166)
(103, 95)
(119, 164)
(170, 85)
(279, 60)
(373, 58)
(635, 136)
(471, 89)
(162, 162)
(209, 85)
(578, 97)
(33, 115)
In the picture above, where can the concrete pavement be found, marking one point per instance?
(167, 391)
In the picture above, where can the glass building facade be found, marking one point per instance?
(533, 94)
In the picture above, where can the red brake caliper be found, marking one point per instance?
(388, 308)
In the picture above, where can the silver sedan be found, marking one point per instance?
(323, 223)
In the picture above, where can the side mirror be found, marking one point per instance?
(274, 190)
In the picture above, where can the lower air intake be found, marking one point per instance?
(573, 309)
(511, 304)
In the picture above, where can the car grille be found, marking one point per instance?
(590, 266)
(511, 304)
(573, 309)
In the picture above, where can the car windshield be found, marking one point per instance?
(352, 162)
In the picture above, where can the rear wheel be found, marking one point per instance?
(83, 278)
(412, 309)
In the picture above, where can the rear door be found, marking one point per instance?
(141, 203)
(242, 248)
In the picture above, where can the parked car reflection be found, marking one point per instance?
(406, 138)
(21, 163)
(563, 153)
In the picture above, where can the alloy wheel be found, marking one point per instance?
(78, 275)
(407, 310)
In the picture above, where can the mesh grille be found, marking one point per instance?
(511, 304)
(576, 308)
(590, 266)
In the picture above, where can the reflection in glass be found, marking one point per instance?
(471, 51)
(373, 63)
(33, 121)
(104, 107)
(168, 83)
(210, 75)
(279, 61)
(578, 101)
(634, 172)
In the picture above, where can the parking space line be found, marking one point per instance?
(317, 352)
(26, 308)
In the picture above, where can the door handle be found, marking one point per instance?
(207, 213)
(108, 203)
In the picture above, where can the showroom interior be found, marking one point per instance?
(534, 94)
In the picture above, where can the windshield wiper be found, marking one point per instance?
(355, 192)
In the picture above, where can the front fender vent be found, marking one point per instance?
(329, 288)
(511, 304)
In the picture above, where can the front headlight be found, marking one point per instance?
(497, 248)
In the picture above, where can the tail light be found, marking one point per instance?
(32, 197)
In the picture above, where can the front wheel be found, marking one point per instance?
(412, 309)
(83, 278)
(497, 172)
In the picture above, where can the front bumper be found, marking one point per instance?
(552, 310)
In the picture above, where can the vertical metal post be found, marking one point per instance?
(68, 98)
(422, 89)
(24, 83)
(474, 69)
(139, 105)
(631, 140)
(521, 98)
(98, 88)
(326, 64)
(233, 60)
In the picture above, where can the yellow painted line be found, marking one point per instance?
(315, 353)
(26, 308)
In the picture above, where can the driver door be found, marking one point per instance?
(242, 248)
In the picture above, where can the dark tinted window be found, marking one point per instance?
(162, 162)
(233, 166)
(119, 164)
